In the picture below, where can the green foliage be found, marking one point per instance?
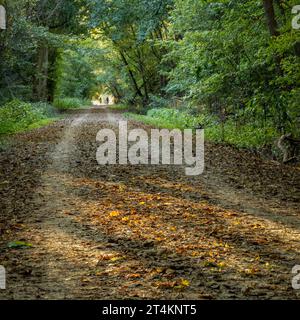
(155, 122)
(18, 245)
(17, 116)
(171, 118)
(179, 119)
(31, 26)
(245, 136)
(226, 60)
(75, 71)
(70, 103)
(44, 110)
(216, 56)
(158, 102)
(130, 30)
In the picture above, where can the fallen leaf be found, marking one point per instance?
(114, 213)
(18, 244)
(185, 283)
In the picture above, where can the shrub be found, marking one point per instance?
(158, 102)
(17, 115)
(177, 119)
(251, 136)
(45, 110)
(70, 103)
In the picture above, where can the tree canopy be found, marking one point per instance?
(236, 61)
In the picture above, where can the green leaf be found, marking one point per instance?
(18, 244)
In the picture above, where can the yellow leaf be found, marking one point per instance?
(114, 214)
(133, 276)
(252, 270)
(185, 283)
(122, 187)
(116, 259)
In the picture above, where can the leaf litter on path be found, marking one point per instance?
(144, 231)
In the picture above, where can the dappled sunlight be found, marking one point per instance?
(154, 235)
(195, 190)
(127, 196)
(146, 231)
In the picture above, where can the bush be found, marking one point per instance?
(251, 136)
(45, 110)
(158, 102)
(70, 103)
(168, 118)
(178, 119)
(119, 107)
(246, 136)
(17, 115)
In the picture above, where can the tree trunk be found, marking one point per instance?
(51, 82)
(41, 79)
(117, 93)
(136, 87)
(270, 16)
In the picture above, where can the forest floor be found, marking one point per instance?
(139, 232)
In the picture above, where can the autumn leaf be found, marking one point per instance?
(185, 283)
(122, 187)
(114, 259)
(221, 265)
(114, 213)
(133, 276)
(251, 271)
(106, 256)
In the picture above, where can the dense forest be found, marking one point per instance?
(231, 67)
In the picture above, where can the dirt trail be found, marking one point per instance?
(115, 232)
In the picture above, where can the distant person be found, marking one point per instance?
(100, 100)
(107, 100)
